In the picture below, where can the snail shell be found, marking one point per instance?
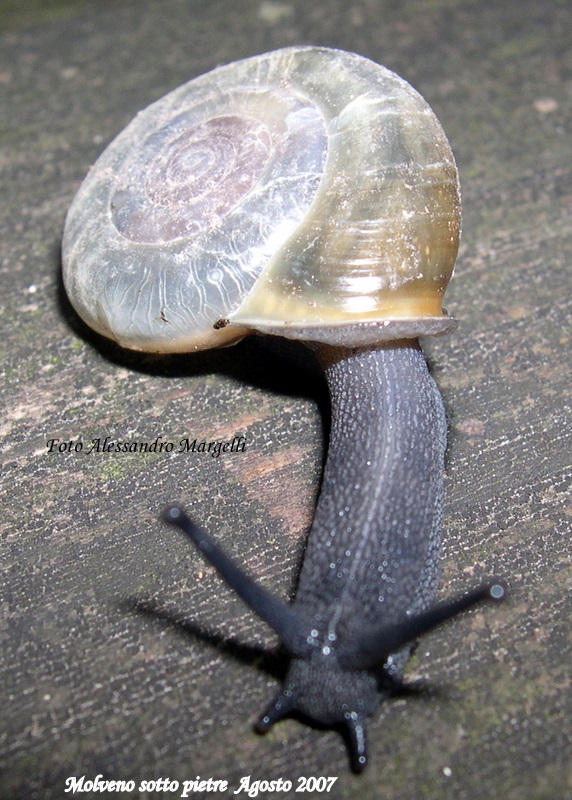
(307, 192)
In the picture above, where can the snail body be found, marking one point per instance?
(308, 193)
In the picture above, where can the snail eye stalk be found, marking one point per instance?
(292, 629)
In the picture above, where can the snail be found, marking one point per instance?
(309, 193)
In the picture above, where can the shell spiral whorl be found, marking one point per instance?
(195, 177)
(307, 191)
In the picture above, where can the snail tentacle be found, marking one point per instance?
(290, 625)
(375, 645)
(357, 741)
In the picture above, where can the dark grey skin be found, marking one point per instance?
(371, 566)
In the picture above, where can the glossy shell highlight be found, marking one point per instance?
(306, 192)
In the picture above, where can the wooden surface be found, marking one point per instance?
(121, 652)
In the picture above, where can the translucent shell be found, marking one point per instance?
(306, 192)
